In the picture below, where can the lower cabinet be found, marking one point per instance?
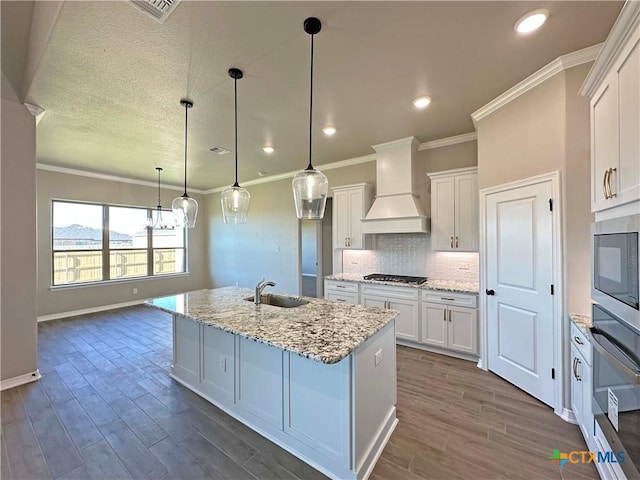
(336, 291)
(581, 384)
(403, 299)
(454, 328)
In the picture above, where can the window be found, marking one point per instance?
(94, 243)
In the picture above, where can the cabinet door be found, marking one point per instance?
(356, 213)
(407, 320)
(604, 139)
(340, 219)
(434, 324)
(373, 301)
(625, 182)
(345, 297)
(186, 350)
(442, 213)
(462, 331)
(576, 385)
(586, 424)
(466, 213)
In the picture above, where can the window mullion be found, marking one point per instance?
(106, 253)
(150, 246)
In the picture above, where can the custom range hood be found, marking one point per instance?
(396, 208)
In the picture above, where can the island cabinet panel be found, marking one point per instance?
(218, 364)
(260, 380)
(318, 406)
(186, 349)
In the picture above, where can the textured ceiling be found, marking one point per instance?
(111, 79)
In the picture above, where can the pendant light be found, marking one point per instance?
(159, 223)
(235, 199)
(310, 186)
(185, 208)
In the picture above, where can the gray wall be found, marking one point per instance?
(54, 185)
(18, 239)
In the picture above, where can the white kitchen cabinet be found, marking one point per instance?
(613, 85)
(337, 291)
(450, 321)
(454, 210)
(403, 299)
(581, 384)
(350, 205)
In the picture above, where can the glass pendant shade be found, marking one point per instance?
(310, 186)
(235, 199)
(185, 208)
(185, 211)
(310, 189)
(235, 204)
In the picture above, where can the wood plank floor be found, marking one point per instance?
(107, 409)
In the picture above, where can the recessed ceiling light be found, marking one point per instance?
(421, 102)
(219, 150)
(268, 149)
(329, 131)
(531, 21)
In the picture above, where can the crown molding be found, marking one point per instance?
(620, 32)
(556, 66)
(109, 178)
(281, 176)
(445, 142)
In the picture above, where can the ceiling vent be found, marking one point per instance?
(219, 150)
(159, 10)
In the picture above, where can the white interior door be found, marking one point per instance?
(520, 323)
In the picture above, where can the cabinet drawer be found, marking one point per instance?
(450, 298)
(344, 297)
(405, 293)
(581, 342)
(341, 286)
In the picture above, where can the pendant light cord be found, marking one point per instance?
(159, 170)
(186, 120)
(310, 166)
(235, 108)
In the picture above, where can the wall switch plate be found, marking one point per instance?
(377, 357)
(135, 291)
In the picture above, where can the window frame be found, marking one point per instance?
(106, 249)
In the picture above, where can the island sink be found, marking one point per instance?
(278, 300)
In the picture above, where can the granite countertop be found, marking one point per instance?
(320, 330)
(583, 322)
(430, 284)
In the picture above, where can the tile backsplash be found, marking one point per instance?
(410, 254)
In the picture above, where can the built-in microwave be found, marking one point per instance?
(615, 280)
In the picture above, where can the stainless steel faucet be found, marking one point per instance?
(260, 287)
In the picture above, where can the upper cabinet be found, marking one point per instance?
(350, 205)
(613, 85)
(454, 210)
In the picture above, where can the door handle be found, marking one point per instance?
(578, 341)
(456, 241)
(452, 241)
(578, 377)
(604, 185)
(611, 170)
(573, 367)
(490, 292)
(340, 300)
(444, 315)
(449, 315)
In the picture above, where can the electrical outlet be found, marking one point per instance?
(135, 291)
(223, 363)
(377, 357)
(464, 266)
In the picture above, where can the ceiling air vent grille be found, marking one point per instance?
(159, 10)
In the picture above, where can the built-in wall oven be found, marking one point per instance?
(616, 272)
(616, 386)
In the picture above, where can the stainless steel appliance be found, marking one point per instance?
(616, 274)
(386, 277)
(616, 386)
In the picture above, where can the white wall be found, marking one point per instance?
(18, 239)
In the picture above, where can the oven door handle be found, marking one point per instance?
(619, 366)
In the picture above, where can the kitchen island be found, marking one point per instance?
(318, 379)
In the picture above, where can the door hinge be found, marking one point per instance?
(553, 374)
(551, 204)
(552, 289)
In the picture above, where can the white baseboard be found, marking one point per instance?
(84, 311)
(568, 416)
(20, 380)
(441, 351)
